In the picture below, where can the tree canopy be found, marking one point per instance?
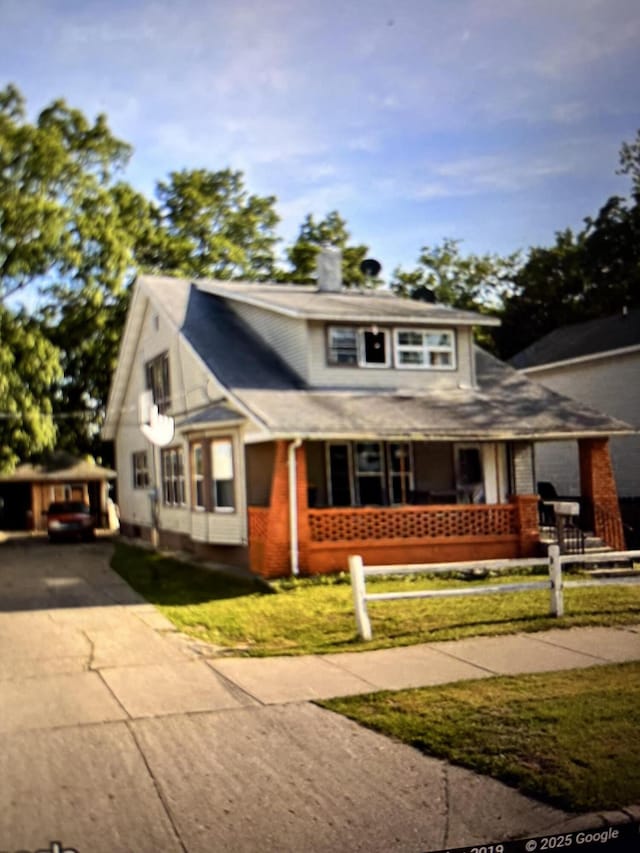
(330, 231)
(208, 225)
(29, 369)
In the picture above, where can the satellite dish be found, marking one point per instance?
(370, 267)
(158, 429)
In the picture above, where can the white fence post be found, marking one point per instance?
(356, 570)
(555, 574)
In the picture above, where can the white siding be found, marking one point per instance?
(285, 335)
(191, 387)
(611, 385)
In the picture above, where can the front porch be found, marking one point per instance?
(307, 536)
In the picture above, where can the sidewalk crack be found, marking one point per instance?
(163, 801)
(447, 804)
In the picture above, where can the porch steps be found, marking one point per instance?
(592, 544)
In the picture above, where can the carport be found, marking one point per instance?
(25, 494)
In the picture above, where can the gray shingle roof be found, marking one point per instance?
(216, 414)
(504, 405)
(582, 339)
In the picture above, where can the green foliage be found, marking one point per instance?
(209, 226)
(470, 282)
(309, 616)
(630, 162)
(29, 368)
(583, 276)
(332, 231)
(56, 215)
(567, 738)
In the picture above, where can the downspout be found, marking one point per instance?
(293, 505)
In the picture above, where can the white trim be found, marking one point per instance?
(423, 349)
(596, 356)
(259, 301)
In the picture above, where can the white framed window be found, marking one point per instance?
(140, 469)
(158, 382)
(425, 349)
(366, 346)
(222, 475)
(197, 468)
(173, 491)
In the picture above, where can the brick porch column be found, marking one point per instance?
(276, 548)
(527, 521)
(302, 491)
(598, 485)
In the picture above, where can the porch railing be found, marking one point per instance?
(411, 522)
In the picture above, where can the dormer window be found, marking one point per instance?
(366, 346)
(425, 349)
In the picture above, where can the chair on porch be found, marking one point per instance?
(546, 492)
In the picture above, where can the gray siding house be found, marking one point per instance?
(597, 363)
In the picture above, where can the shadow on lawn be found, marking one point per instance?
(167, 581)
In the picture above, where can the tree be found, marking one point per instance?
(630, 163)
(29, 368)
(68, 229)
(471, 282)
(207, 225)
(332, 231)
(549, 292)
(54, 205)
(583, 276)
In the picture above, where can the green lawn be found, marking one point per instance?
(567, 738)
(316, 616)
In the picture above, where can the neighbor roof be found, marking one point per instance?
(69, 472)
(594, 337)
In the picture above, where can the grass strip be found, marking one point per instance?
(567, 738)
(315, 616)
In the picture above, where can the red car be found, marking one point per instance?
(70, 520)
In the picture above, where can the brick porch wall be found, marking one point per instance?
(390, 535)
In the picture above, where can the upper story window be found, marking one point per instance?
(140, 468)
(425, 348)
(157, 377)
(360, 347)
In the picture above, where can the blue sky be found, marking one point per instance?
(494, 121)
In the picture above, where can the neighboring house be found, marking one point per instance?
(312, 423)
(26, 494)
(597, 363)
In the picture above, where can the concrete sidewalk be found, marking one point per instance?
(119, 734)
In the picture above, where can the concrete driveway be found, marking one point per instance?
(116, 734)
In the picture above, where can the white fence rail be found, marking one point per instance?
(555, 582)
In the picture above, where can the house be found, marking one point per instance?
(316, 422)
(27, 493)
(597, 363)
